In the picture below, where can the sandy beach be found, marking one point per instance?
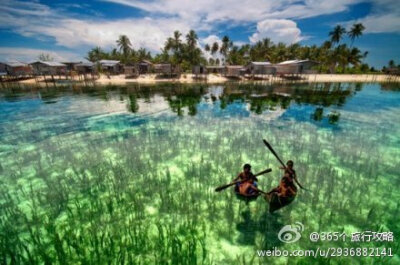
(212, 78)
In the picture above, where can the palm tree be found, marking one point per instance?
(341, 56)
(355, 32)
(235, 56)
(96, 54)
(365, 54)
(162, 57)
(245, 53)
(256, 51)
(309, 52)
(177, 38)
(267, 46)
(124, 45)
(214, 48)
(293, 50)
(226, 44)
(355, 57)
(281, 53)
(193, 52)
(143, 54)
(191, 39)
(175, 44)
(114, 54)
(327, 45)
(337, 34)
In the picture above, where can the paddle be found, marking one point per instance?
(218, 189)
(277, 157)
(273, 152)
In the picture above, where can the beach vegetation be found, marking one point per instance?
(336, 55)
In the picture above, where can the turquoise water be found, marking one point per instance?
(126, 174)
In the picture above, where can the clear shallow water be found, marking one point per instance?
(127, 174)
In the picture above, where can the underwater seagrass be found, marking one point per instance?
(126, 174)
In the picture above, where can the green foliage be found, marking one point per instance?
(355, 32)
(125, 46)
(183, 51)
(334, 117)
(318, 114)
(337, 34)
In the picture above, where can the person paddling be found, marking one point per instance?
(286, 187)
(246, 182)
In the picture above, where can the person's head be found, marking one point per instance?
(247, 168)
(289, 164)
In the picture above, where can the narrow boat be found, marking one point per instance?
(246, 198)
(276, 202)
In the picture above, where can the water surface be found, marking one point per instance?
(126, 175)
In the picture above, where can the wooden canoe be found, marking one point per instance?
(277, 202)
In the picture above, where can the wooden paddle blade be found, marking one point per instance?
(218, 189)
(273, 152)
(263, 172)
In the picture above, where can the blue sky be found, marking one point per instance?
(68, 29)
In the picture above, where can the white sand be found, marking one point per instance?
(213, 78)
(151, 78)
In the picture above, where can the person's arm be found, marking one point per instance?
(256, 189)
(298, 183)
(252, 176)
(237, 178)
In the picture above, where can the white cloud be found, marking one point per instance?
(239, 43)
(164, 16)
(25, 8)
(278, 30)
(239, 10)
(311, 8)
(143, 32)
(210, 39)
(274, 19)
(28, 55)
(389, 23)
(147, 32)
(385, 14)
(384, 17)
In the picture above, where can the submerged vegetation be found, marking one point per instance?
(126, 175)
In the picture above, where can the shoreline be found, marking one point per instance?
(215, 79)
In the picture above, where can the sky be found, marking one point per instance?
(67, 30)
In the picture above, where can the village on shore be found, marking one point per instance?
(186, 61)
(115, 72)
